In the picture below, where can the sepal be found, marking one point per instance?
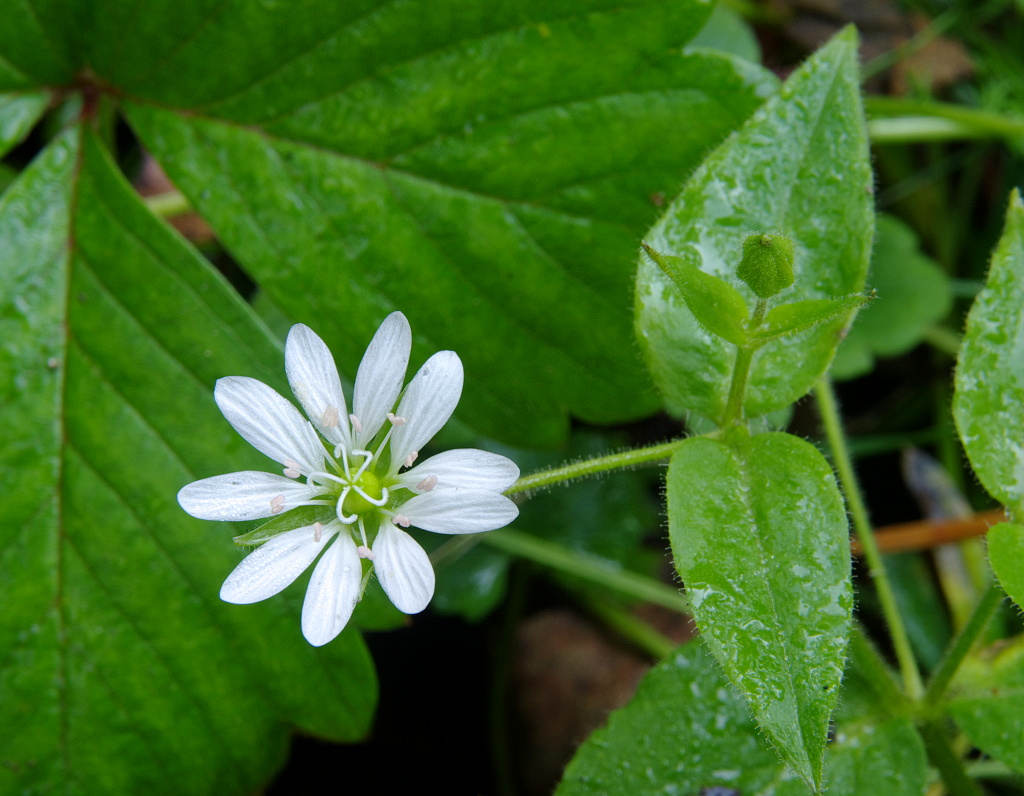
(718, 306)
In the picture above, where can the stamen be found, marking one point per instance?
(357, 424)
(318, 531)
(277, 505)
(396, 420)
(351, 518)
(400, 519)
(291, 468)
(319, 476)
(364, 465)
(362, 534)
(364, 552)
(427, 483)
(412, 457)
(376, 501)
(329, 419)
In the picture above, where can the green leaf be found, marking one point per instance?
(913, 294)
(988, 404)
(123, 672)
(18, 113)
(800, 316)
(718, 306)
(1006, 554)
(760, 539)
(870, 759)
(687, 730)
(798, 167)
(728, 32)
(486, 169)
(990, 704)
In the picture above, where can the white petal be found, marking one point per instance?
(333, 592)
(459, 511)
(428, 402)
(403, 569)
(268, 422)
(270, 568)
(468, 468)
(380, 376)
(249, 495)
(314, 379)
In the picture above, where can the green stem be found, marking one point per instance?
(963, 644)
(912, 45)
(858, 511)
(738, 386)
(867, 660)
(945, 340)
(634, 630)
(168, 205)
(950, 765)
(587, 568)
(916, 120)
(600, 464)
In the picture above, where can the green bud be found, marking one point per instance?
(767, 265)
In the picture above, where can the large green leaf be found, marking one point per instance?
(990, 370)
(122, 671)
(18, 112)
(687, 731)
(760, 539)
(487, 168)
(989, 703)
(798, 167)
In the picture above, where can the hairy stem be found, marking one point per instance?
(586, 568)
(634, 630)
(595, 466)
(859, 514)
(963, 643)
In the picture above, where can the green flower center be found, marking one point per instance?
(355, 503)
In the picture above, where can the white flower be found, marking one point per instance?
(350, 496)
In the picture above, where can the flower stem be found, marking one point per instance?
(635, 630)
(897, 120)
(869, 662)
(963, 643)
(168, 205)
(587, 568)
(741, 370)
(951, 767)
(738, 386)
(858, 511)
(600, 464)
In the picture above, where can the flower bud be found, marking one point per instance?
(767, 265)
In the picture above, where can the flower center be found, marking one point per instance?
(355, 503)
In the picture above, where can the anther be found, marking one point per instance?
(364, 552)
(277, 505)
(318, 531)
(356, 424)
(411, 458)
(400, 519)
(427, 483)
(291, 468)
(329, 419)
(396, 420)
